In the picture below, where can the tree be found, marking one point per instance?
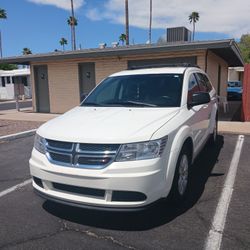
(26, 51)
(193, 18)
(126, 22)
(72, 21)
(3, 15)
(5, 66)
(244, 46)
(122, 38)
(63, 42)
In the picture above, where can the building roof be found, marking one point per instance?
(226, 49)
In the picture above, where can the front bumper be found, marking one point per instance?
(139, 183)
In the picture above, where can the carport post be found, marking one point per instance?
(246, 94)
(17, 102)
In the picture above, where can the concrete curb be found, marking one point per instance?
(17, 135)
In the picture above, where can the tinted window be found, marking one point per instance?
(154, 90)
(192, 87)
(204, 83)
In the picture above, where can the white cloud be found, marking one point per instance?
(224, 16)
(62, 4)
(94, 15)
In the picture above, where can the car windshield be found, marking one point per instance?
(151, 90)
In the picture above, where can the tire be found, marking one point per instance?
(213, 137)
(180, 186)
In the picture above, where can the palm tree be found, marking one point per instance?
(26, 51)
(150, 22)
(193, 18)
(122, 38)
(3, 15)
(63, 42)
(126, 22)
(72, 21)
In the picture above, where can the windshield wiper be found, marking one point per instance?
(131, 103)
(91, 104)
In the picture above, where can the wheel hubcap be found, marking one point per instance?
(183, 175)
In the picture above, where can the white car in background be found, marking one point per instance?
(131, 141)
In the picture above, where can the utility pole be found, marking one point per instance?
(150, 22)
(126, 22)
(1, 49)
(73, 26)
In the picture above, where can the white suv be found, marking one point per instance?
(130, 142)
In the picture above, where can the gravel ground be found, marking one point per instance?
(8, 127)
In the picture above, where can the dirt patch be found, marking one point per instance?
(8, 127)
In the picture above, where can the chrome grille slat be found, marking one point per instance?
(93, 157)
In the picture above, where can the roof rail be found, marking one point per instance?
(163, 65)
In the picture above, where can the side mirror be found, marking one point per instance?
(83, 96)
(199, 98)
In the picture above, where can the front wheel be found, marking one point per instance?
(181, 178)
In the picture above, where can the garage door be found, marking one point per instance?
(175, 60)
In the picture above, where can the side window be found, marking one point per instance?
(203, 82)
(192, 87)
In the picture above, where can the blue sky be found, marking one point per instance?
(40, 26)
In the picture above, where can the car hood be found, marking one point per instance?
(106, 124)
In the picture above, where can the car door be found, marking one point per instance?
(198, 114)
(205, 86)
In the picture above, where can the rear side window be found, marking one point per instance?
(203, 82)
(193, 87)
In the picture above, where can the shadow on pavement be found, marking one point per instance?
(157, 215)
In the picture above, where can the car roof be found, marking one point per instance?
(144, 71)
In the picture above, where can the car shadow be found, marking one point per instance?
(156, 215)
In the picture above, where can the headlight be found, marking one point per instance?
(39, 144)
(141, 150)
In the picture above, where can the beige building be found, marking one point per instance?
(60, 78)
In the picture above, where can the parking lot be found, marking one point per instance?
(28, 222)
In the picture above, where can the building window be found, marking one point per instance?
(8, 79)
(3, 81)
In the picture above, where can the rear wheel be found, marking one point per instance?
(181, 178)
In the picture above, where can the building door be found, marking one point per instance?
(86, 77)
(42, 89)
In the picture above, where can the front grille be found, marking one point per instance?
(80, 155)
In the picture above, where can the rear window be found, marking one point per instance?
(151, 90)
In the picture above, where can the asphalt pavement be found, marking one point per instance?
(12, 105)
(28, 222)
